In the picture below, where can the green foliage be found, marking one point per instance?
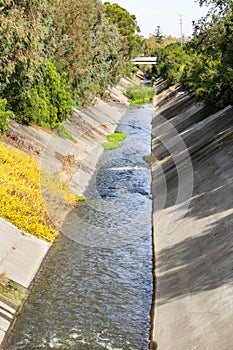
(204, 65)
(48, 103)
(89, 49)
(24, 32)
(140, 94)
(106, 60)
(159, 37)
(171, 61)
(62, 131)
(209, 72)
(150, 46)
(73, 24)
(4, 116)
(127, 27)
(156, 41)
(222, 6)
(78, 37)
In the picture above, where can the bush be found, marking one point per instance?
(49, 103)
(171, 62)
(21, 187)
(140, 94)
(4, 116)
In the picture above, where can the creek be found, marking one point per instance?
(94, 291)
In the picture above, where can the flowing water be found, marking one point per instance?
(95, 289)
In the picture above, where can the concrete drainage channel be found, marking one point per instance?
(190, 279)
(98, 273)
(22, 254)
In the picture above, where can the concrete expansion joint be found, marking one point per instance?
(6, 317)
(6, 310)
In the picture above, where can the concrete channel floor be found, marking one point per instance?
(194, 260)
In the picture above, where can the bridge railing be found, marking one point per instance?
(144, 60)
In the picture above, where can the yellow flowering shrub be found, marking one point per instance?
(22, 184)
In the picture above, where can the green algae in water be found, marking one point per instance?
(114, 141)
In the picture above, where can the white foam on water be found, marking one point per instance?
(126, 168)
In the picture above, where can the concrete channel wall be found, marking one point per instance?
(192, 223)
(21, 254)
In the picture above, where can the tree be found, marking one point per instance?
(24, 33)
(69, 45)
(159, 37)
(47, 103)
(73, 23)
(171, 61)
(150, 46)
(210, 72)
(107, 55)
(127, 27)
(222, 6)
(156, 41)
(88, 48)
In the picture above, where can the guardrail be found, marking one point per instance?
(144, 60)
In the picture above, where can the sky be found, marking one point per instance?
(163, 13)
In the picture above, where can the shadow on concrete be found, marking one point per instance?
(175, 105)
(197, 264)
(203, 261)
(213, 178)
(193, 241)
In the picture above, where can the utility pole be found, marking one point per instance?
(181, 30)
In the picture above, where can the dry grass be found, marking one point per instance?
(4, 280)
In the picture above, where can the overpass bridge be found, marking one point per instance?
(144, 60)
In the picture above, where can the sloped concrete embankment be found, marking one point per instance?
(192, 223)
(21, 254)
